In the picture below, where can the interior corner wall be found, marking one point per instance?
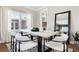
(23, 9)
(36, 19)
(74, 16)
(5, 35)
(4, 23)
(0, 24)
(57, 9)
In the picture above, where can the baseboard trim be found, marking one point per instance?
(5, 43)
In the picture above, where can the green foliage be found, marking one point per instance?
(76, 36)
(35, 29)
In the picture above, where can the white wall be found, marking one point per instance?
(56, 9)
(0, 19)
(36, 17)
(5, 35)
(51, 15)
(0, 23)
(74, 16)
(74, 19)
(36, 20)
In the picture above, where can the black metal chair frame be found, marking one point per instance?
(12, 43)
(19, 43)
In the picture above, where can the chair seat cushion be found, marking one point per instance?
(27, 45)
(59, 39)
(22, 38)
(55, 45)
(63, 37)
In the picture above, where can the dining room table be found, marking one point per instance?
(41, 37)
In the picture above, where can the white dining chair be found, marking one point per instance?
(23, 43)
(13, 40)
(58, 43)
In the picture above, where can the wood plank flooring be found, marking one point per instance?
(74, 47)
(3, 47)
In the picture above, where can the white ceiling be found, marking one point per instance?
(34, 7)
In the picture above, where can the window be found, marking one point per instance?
(23, 24)
(15, 24)
(18, 20)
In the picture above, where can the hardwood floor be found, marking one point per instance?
(74, 47)
(3, 47)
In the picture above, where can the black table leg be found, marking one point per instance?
(39, 44)
(44, 46)
(31, 37)
(51, 38)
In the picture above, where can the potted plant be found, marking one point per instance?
(76, 36)
(35, 29)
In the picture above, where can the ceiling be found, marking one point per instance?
(34, 7)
